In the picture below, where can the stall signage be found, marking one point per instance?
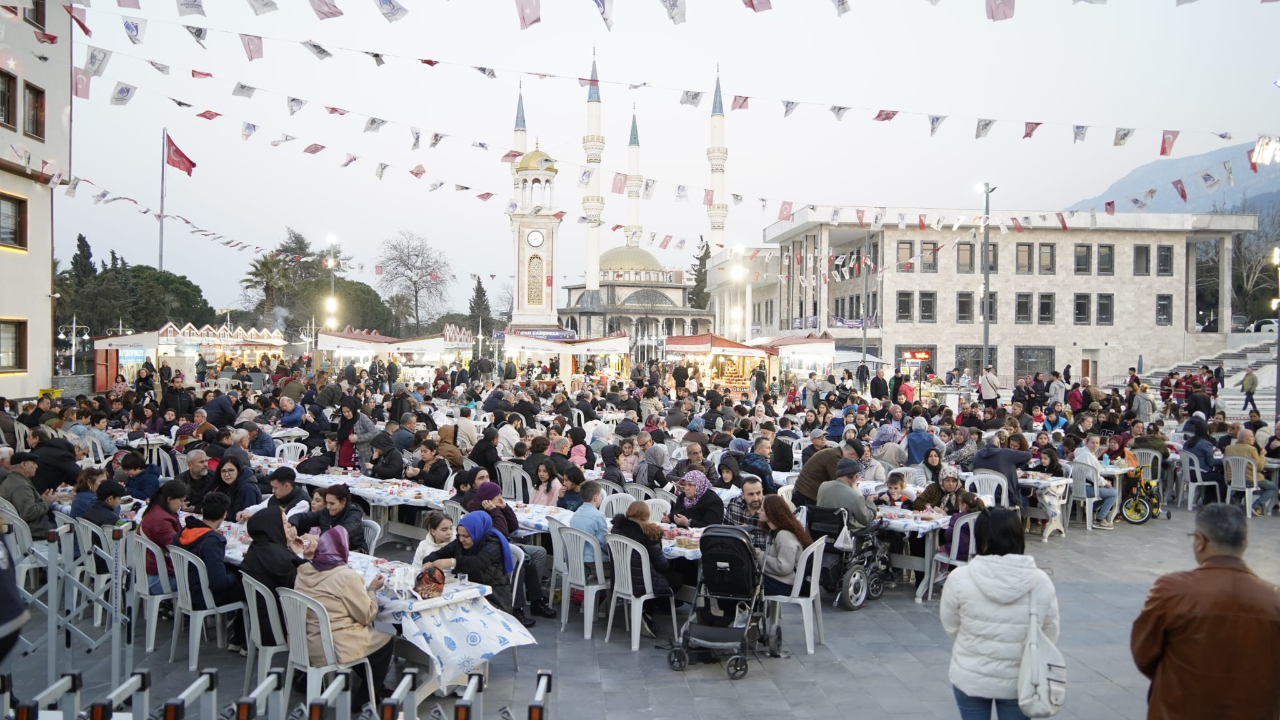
(499, 335)
(456, 338)
(916, 355)
(796, 324)
(550, 334)
(131, 356)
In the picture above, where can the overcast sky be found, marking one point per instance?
(1146, 64)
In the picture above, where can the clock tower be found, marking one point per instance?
(533, 226)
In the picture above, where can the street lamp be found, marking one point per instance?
(986, 274)
(1275, 306)
(73, 328)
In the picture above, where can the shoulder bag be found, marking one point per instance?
(1042, 678)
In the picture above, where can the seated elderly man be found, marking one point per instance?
(1253, 477)
(628, 427)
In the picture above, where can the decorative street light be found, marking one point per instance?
(986, 274)
(72, 329)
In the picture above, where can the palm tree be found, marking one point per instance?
(271, 276)
(401, 309)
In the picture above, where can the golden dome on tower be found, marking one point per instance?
(536, 160)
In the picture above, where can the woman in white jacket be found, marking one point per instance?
(986, 610)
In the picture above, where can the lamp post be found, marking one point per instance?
(1275, 306)
(73, 328)
(331, 303)
(986, 275)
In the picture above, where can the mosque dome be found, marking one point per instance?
(629, 258)
(535, 161)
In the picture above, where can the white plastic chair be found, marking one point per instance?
(184, 563)
(20, 435)
(26, 558)
(964, 527)
(616, 505)
(612, 488)
(639, 492)
(98, 455)
(575, 543)
(67, 542)
(576, 417)
(372, 531)
(810, 564)
(166, 465)
(263, 654)
(985, 483)
(621, 549)
(1192, 477)
(181, 459)
(292, 451)
(454, 510)
(295, 607)
(665, 495)
(1081, 477)
(1237, 472)
(91, 535)
(142, 586)
(657, 508)
(559, 569)
(516, 484)
(680, 453)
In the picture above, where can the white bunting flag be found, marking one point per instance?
(1078, 132)
(529, 12)
(436, 185)
(956, 226)
(283, 139)
(902, 221)
(1137, 203)
(682, 193)
(242, 90)
(72, 185)
(1231, 180)
(984, 127)
(511, 206)
(252, 46)
(935, 121)
(262, 7)
(839, 111)
(160, 67)
(436, 138)
(381, 168)
(937, 223)
(842, 7)
(1209, 179)
(295, 104)
(350, 159)
(737, 199)
(788, 107)
(1003, 230)
(1123, 135)
(100, 197)
(136, 29)
(317, 49)
(584, 179)
(691, 97)
(877, 221)
(122, 94)
(764, 204)
(1149, 195)
(606, 12)
(246, 130)
(649, 186)
(325, 9)
(478, 144)
(191, 7)
(675, 10)
(463, 188)
(1093, 219)
(198, 34)
(374, 124)
(95, 61)
(391, 10)
(487, 72)
(417, 137)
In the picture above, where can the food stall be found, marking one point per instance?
(719, 359)
(419, 356)
(519, 347)
(180, 347)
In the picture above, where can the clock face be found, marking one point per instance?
(536, 238)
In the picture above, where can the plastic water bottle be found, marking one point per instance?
(1106, 461)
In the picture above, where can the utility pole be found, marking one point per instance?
(986, 276)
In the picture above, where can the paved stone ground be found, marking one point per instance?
(888, 657)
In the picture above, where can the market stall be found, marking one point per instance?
(521, 348)
(719, 359)
(180, 347)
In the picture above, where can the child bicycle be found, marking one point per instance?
(1144, 503)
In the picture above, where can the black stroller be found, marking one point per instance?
(728, 616)
(854, 575)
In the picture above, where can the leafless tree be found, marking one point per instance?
(1253, 276)
(420, 272)
(504, 301)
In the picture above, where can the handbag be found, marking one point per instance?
(1042, 677)
(844, 541)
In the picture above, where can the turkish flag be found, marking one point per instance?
(209, 115)
(82, 80)
(1252, 165)
(1110, 207)
(45, 38)
(434, 277)
(665, 242)
(78, 16)
(1062, 220)
(485, 196)
(739, 102)
(885, 115)
(784, 211)
(418, 171)
(313, 148)
(176, 158)
(548, 281)
(1181, 189)
(1029, 129)
(922, 221)
(1017, 225)
(377, 269)
(616, 228)
(860, 218)
(200, 75)
(559, 216)
(252, 46)
(1167, 141)
(510, 156)
(619, 183)
(431, 63)
(708, 197)
(530, 12)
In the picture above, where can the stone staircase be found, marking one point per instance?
(1260, 357)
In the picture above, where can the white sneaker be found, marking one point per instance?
(1103, 525)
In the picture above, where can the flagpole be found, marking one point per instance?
(164, 141)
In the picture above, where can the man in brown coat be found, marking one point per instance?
(820, 468)
(1209, 638)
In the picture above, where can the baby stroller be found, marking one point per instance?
(854, 575)
(728, 615)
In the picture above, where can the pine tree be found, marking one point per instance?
(115, 260)
(479, 308)
(82, 269)
(698, 296)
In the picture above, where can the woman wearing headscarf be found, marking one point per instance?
(653, 467)
(578, 436)
(355, 430)
(885, 447)
(961, 450)
(697, 433)
(699, 506)
(270, 560)
(943, 491)
(600, 438)
(386, 463)
(932, 466)
(351, 608)
(448, 449)
(482, 554)
(919, 440)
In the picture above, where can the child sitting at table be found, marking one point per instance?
(969, 504)
(578, 455)
(571, 489)
(546, 486)
(893, 494)
(612, 470)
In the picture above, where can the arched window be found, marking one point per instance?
(533, 295)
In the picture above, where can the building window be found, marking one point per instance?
(1164, 259)
(875, 253)
(1027, 361)
(1047, 303)
(8, 96)
(969, 357)
(533, 294)
(34, 127)
(13, 345)
(839, 307)
(905, 251)
(992, 308)
(1082, 309)
(875, 305)
(1106, 308)
(13, 221)
(1023, 264)
(1141, 259)
(964, 307)
(964, 258)
(905, 313)
(1164, 309)
(1022, 308)
(1048, 259)
(35, 13)
(993, 257)
(929, 257)
(928, 307)
(1084, 259)
(1106, 259)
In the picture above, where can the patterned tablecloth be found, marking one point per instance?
(385, 493)
(533, 518)
(121, 437)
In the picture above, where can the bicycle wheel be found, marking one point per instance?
(1136, 510)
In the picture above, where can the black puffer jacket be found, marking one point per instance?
(482, 565)
(709, 510)
(632, 530)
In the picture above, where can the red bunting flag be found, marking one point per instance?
(78, 16)
(619, 183)
(200, 75)
(586, 82)
(1180, 189)
(754, 253)
(1062, 220)
(252, 46)
(530, 13)
(336, 111)
(431, 63)
(45, 38)
(510, 156)
(665, 242)
(377, 269)
(209, 115)
(922, 223)
(797, 259)
(485, 197)
(739, 102)
(1029, 129)
(1248, 153)
(1017, 225)
(885, 115)
(998, 10)
(559, 216)
(176, 158)
(313, 148)
(784, 211)
(1110, 207)
(708, 197)
(758, 5)
(860, 218)
(418, 171)
(82, 80)
(616, 228)
(434, 276)
(1167, 141)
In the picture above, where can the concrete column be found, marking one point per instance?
(1189, 294)
(1225, 246)
(746, 309)
(824, 249)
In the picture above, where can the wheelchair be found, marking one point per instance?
(857, 575)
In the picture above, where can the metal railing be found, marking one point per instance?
(404, 699)
(270, 694)
(538, 709)
(471, 705)
(203, 691)
(337, 695)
